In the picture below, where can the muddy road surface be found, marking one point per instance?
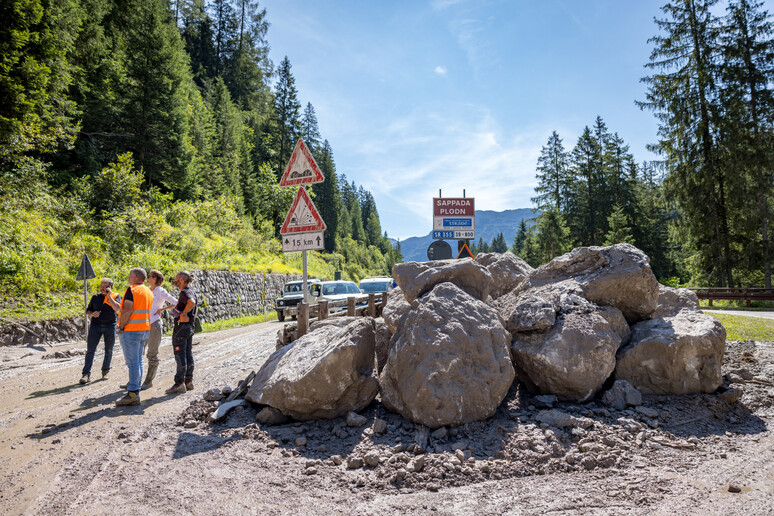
(65, 449)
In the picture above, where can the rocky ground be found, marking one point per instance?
(67, 450)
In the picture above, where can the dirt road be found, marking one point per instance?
(66, 449)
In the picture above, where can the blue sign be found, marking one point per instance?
(460, 223)
(439, 235)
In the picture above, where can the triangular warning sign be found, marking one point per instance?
(303, 216)
(465, 252)
(302, 168)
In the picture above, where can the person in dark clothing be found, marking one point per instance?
(103, 324)
(182, 334)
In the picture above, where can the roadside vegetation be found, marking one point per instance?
(740, 327)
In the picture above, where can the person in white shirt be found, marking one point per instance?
(160, 296)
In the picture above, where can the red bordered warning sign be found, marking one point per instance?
(464, 252)
(303, 216)
(302, 169)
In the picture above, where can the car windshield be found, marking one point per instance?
(340, 288)
(293, 287)
(375, 286)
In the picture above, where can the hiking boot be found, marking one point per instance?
(85, 379)
(131, 398)
(148, 383)
(178, 388)
(189, 385)
(105, 375)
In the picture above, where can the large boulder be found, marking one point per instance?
(417, 278)
(395, 309)
(534, 309)
(575, 356)
(324, 374)
(507, 270)
(449, 362)
(382, 336)
(618, 275)
(680, 354)
(672, 300)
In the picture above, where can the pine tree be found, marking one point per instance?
(287, 110)
(619, 232)
(520, 238)
(247, 66)
(198, 36)
(684, 95)
(551, 237)
(552, 175)
(309, 130)
(327, 195)
(498, 244)
(748, 124)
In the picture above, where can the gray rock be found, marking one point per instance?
(371, 459)
(300, 441)
(621, 395)
(418, 278)
(381, 344)
(213, 395)
(354, 419)
(449, 363)
(647, 412)
(681, 354)
(617, 275)
(571, 360)
(379, 426)
(672, 300)
(339, 322)
(545, 400)
(269, 416)
(507, 270)
(354, 462)
(439, 433)
(527, 312)
(395, 309)
(324, 374)
(560, 419)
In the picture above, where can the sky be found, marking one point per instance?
(417, 96)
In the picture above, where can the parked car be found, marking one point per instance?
(334, 291)
(376, 285)
(291, 296)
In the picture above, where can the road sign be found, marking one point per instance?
(454, 217)
(85, 271)
(457, 234)
(302, 169)
(303, 216)
(465, 252)
(303, 242)
(439, 250)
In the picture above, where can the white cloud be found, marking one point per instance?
(428, 151)
(440, 70)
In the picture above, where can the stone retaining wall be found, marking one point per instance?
(222, 295)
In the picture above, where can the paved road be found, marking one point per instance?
(765, 315)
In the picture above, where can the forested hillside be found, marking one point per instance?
(702, 212)
(154, 133)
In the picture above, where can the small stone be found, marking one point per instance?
(588, 463)
(360, 482)
(354, 419)
(485, 468)
(439, 434)
(545, 400)
(723, 455)
(460, 454)
(321, 449)
(270, 416)
(310, 471)
(647, 411)
(354, 462)
(337, 460)
(380, 426)
(226, 390)
(417, 464)
(190, 423)
(731, 396)
(400, 474)
(733, 488)
(213, 395)
(371, 459)
(301, 441)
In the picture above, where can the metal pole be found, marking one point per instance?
(303, 262)
(85, 308)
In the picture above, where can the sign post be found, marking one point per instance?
(85, 273)
(303, 228)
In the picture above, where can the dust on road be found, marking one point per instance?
(67, 450)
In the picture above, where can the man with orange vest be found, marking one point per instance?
(134, 329)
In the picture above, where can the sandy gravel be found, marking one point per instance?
(67, 450)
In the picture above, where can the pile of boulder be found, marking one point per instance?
(456, 334)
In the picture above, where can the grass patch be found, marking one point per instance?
(720, 304)
(245, 320)
(740, 327)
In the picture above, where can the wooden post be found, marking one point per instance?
(351, 306)
(372, 305)
(382, 303)
(747, 296)
(322, 311)
(709, 296)
(303, 319)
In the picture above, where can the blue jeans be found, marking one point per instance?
(182, 345)
(96, 332)
(133, 344)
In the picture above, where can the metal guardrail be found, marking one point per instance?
(746, 294)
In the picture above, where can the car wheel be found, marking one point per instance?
(280, 316)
